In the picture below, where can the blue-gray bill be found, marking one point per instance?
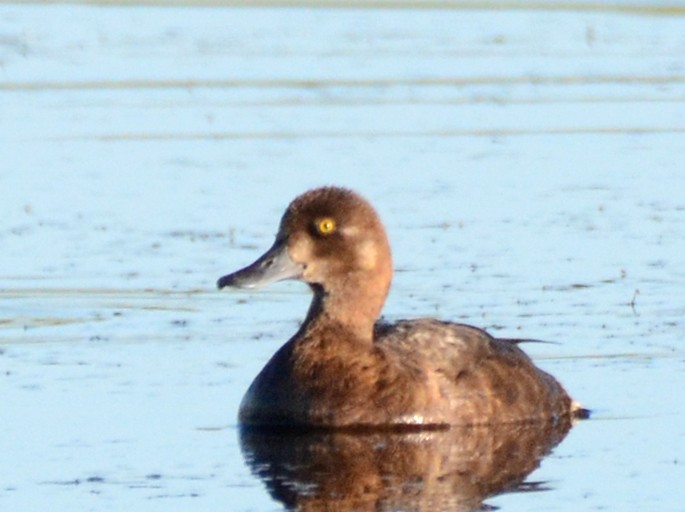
(274, 265)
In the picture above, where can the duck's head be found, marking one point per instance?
(332, 239)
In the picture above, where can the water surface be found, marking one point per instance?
(527, 163)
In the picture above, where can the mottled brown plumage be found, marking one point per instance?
(342, 369)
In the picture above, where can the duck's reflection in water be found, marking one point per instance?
(453, 469)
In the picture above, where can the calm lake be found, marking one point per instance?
(528, 160)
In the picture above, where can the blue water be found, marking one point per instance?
(527, 164)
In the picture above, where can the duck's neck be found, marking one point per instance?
(351, 307)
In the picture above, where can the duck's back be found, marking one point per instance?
(468, 376)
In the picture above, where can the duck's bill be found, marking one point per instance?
(274, 265)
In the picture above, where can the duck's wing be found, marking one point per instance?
(482, 377)
(446, 346)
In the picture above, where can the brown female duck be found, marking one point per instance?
(343, 369)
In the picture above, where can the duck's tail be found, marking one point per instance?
(579, 412)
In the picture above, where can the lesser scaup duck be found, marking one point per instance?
(343, 369)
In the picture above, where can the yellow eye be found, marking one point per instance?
(326, 226)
